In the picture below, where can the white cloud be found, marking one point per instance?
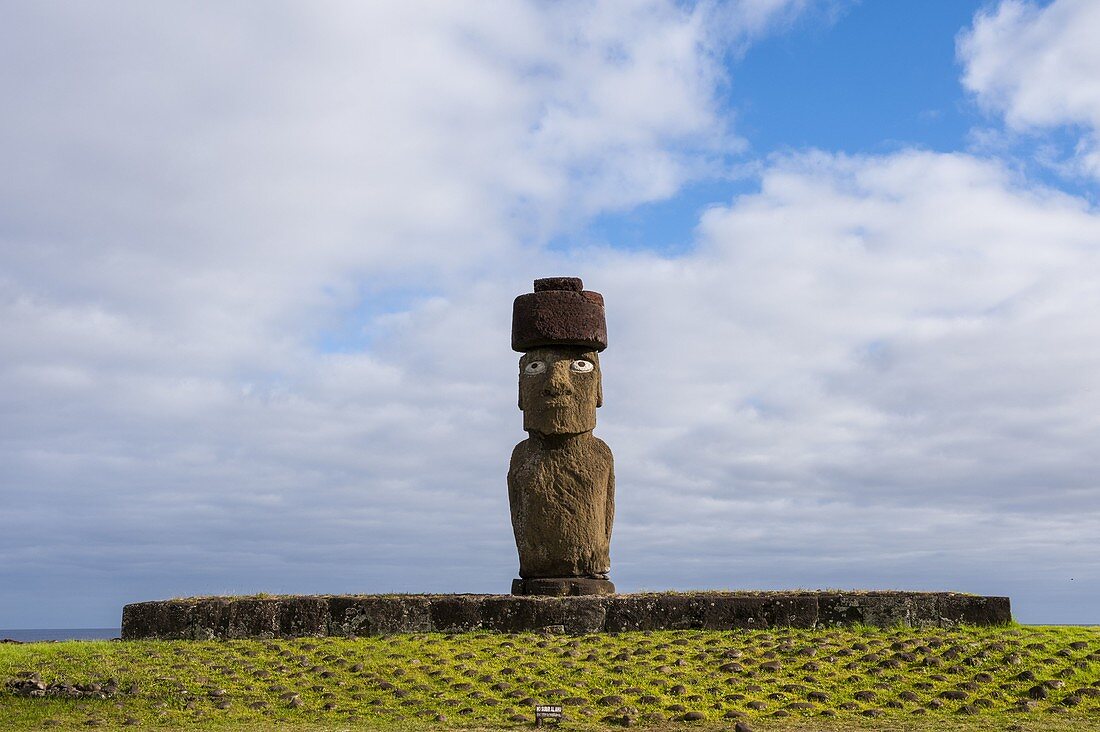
(1039, 66)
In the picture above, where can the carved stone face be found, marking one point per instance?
(559, 390)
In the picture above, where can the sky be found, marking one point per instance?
(257, 262)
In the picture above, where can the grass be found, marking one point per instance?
(1014, 678)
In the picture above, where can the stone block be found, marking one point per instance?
(210, 619)
(562, 586)
(654, 612)
(303, 616)
(456, 613)
(380, 614)
(161, 620)
(253, 618)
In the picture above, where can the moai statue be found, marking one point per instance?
(561, 481)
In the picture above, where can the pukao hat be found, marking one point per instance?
(560, 312)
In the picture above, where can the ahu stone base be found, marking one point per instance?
(350, 615)
(562, 586)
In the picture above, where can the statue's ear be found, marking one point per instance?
(519, 390)
(599, 391)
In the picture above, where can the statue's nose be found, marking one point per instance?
(558, 383)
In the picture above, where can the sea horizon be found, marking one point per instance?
(32, 635)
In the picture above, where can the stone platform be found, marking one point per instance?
(562, 586)
(346, 615)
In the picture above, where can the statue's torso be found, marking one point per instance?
(562, 501)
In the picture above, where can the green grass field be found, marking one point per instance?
(1011, 678)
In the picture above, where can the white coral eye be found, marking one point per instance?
(582, 366)
(535, 367)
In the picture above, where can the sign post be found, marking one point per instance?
(547, 711)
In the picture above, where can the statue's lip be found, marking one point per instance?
(556, 403)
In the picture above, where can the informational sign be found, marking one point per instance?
(547, 711)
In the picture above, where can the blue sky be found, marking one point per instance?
(257, 263)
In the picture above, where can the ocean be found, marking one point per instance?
(59, 634)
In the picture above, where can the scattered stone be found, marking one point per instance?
(1039, 691)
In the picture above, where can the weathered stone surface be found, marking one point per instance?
(380, 615)
(304, 617)
(455, 614)
(158, 619)
(559, 390)
(220, 617)
(562, 586)
(882, 610)
(562, 499)
(252, 618)
(511, 614)
(559, 312)
(653, 612)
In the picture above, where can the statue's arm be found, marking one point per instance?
(513, 465)
(609, 513)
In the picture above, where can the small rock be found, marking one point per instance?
(1039, 691)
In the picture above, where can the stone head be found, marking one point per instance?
(560, 389)
(560, 328)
